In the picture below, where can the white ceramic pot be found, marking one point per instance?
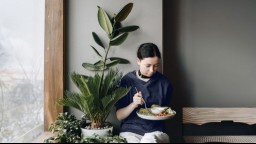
(100, 132)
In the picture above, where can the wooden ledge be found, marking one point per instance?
(42, 137)
(222, 139)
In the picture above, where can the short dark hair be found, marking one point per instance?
(148, 50)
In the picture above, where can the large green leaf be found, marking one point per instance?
(96, 52)
(99, 63)
(119, 39)
(104, 21)
(120, 60)
(124, 12)
(112, 63)
(116, 26)
(97, 39)
(128, 29)
(92, 67)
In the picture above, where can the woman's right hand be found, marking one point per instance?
(126, 111)
(137, 99)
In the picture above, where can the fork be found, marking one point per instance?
(145, 103)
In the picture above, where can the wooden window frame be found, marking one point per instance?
(53, 60)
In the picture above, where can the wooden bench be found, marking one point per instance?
(230, 125)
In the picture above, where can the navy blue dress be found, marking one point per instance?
(157, 90)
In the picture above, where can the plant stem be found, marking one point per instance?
(104, 64)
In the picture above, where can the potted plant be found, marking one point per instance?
(99, 93)
(67, 130)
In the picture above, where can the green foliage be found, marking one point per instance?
(116, 35)
(106, 139)
(100, 92)
(95, 99)
(124, 12)
(68, 130)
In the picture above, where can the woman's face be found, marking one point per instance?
(148, 66)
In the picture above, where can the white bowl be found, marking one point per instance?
(158, 110)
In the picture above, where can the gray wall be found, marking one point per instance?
(82, 21)
(209, 53)
(208, 48)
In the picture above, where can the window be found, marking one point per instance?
(21, 69)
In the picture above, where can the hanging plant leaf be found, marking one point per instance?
(128, 29)
(97, 39)
(124, 12)
(119, 39)
(96, 51)
(120, 60)
(104, 21)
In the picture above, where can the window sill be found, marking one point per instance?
(42, 137)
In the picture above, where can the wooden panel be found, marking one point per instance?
(54, 59)
(203, 115)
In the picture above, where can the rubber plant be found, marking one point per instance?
(99, 93)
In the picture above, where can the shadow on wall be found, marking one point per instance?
(173, 69)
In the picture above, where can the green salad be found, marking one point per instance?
(146, 111)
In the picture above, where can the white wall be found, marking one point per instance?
(82, 21)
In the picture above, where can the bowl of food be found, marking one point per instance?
(158, 110)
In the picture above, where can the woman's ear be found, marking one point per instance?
(138, 61)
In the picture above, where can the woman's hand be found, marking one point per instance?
(137, 99)
(126, 111)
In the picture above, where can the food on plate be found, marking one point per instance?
(155, 105)
(156, 110)
(144, 111)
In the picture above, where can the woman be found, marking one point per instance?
(149, 85)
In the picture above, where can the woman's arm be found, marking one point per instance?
(126, 111)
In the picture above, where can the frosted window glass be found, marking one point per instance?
(21, 69)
